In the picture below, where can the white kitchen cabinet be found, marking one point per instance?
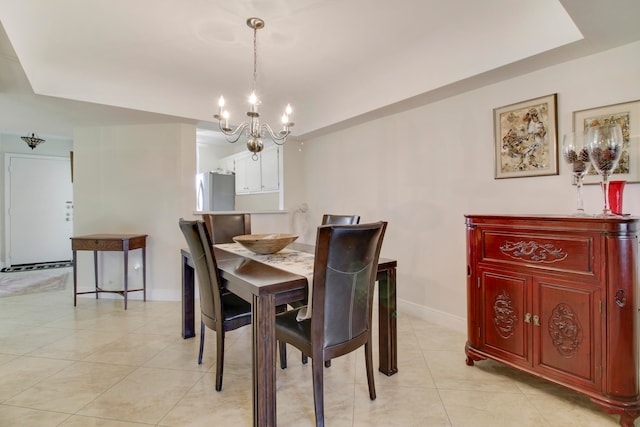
(247, 174)
(270, 169)
(256, 176)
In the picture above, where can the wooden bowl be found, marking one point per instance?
(264, 244)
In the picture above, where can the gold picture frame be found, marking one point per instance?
(628, 115)
(526, 138)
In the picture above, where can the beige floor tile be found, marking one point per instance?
(23, 340)
(569, 409)
(490, 409)
(342, 370)
(296, 406)
(81, 421)
(204, 406)
(23, 417)
(413, 370)
(5, 358)
(145, 396)
(78, 345)
(22, 373)
(131, 349)
(183, 354)
(71, 388)
(450, 372)
(401, 406)
(437, 338)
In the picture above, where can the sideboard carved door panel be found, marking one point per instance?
(505, 327)
(569, 332)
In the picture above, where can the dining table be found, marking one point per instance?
(267, 287)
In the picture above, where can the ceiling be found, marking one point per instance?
(75, 63)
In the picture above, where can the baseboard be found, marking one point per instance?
(438, 317)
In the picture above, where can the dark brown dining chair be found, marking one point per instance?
(220, 312)
(340, 219)
(345, 269)
(326, 220)
(224, 227)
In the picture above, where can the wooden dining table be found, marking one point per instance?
(267, 287)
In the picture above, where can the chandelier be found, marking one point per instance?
(32, 141)
(255, 130)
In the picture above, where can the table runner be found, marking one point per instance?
(289, 260)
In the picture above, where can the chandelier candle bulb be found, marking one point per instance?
(225, 115)
(253, 100)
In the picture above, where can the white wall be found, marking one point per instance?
(135, 179)
(424, 169)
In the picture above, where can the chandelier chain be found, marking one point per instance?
(255, 58)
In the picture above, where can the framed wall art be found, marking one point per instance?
(526, 138)
(628, 115)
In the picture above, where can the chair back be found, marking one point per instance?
(201, 249)
(340, 219)
(224, 227)
(345, 269)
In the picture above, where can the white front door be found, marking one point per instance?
(39, 209)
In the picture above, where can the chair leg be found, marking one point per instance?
(305, 359)
(283, 354)
(219, 358)
(201, 342)
(318, 388)
(327, 363)
(369, 363)
(283, 345)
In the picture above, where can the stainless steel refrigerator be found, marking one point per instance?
(216, 191)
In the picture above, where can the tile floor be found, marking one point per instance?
(97, 365)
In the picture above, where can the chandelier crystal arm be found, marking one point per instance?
(231, 133)
(279, 138)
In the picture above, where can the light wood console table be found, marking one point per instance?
(110, 242)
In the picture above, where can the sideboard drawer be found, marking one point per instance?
(549, 251)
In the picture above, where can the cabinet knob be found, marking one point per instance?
(536, 320)
(527, 318)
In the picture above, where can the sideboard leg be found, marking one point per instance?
(627, 418)
(628, 414)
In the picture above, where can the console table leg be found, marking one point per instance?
(95, 271)
(126, 276)
(75, 279)
(144, 273)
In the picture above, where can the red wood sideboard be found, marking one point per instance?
(557, 297)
